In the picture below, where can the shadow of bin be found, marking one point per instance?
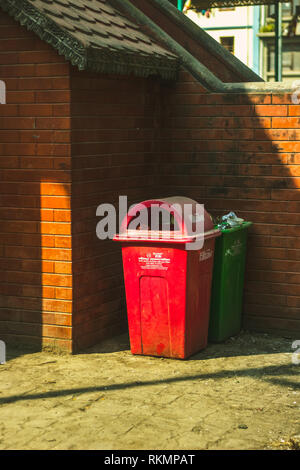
(168, 274)
(228, 283)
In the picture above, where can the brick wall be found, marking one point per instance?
(115, 128)
(59, 284)
(35, 230)
(242, 153)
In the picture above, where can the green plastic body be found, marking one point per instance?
(228, 283)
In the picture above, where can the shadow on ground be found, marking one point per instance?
(270, 374)
(240, 346)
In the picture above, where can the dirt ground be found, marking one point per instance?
(238, 395)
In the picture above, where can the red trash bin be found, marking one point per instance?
(167, 285)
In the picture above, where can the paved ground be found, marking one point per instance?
(243, 394)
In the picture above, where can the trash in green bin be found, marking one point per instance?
(228, 278)
(228, 221)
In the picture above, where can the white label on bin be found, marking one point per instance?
(154, 261)
(235, 249)
(205, 255)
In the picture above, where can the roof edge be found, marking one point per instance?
(201, 73)
(201, 36)
(47, 30)
(102, 61)
(196, 68)
(84, 56)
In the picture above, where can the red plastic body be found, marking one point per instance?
(168, 295)
(168, 298)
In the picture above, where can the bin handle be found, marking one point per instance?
(132, 213)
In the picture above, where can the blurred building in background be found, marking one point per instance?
(249, 32)
(236, 28)
(290, 42)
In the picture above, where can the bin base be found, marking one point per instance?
(168, 311)
(220, 338)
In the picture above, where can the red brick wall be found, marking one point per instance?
(35, 230)
(115, 128)
(59, 284)
(242, 153)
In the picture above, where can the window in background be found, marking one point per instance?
(228, 43)
(290, 57)
(287, 9)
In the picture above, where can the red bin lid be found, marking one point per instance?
(182, 221)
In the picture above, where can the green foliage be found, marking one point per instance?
(267, 28)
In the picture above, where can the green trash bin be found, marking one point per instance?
(228, 283)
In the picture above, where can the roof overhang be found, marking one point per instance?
(85, 56)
